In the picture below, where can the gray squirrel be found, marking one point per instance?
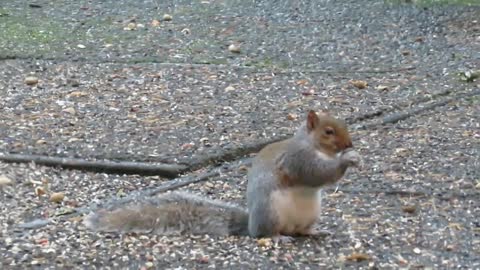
(283, 191)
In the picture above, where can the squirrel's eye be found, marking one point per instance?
(329, 131)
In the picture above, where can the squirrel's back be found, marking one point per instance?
(172, 213)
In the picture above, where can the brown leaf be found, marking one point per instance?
(359, 84)
(409, 209)
(357, 257)
(264, 242)
(39, 191)
(302, 82)
(57, 197)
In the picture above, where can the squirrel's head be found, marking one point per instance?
(328, 133)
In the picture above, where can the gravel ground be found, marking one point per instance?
(156, 93)
(435, 226)
(105, 106)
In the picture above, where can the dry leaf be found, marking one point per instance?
(264, 242)
(456, 226)
(57, 197)
(39, 191)
(302, 82)
(41, 142)
(357, 257)
(419, 39)
(409, 209)
(359, 84)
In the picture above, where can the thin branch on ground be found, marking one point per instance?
(165, 170)
(222, 154)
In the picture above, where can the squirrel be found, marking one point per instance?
(283, 191)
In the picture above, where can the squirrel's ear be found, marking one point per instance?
(312, 120)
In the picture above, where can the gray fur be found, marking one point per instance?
(183, 213)
(262, 221)
(172, 214)
(302, 162)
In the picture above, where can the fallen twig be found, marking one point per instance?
(166, 170)
(222, 154)
(138, 195)
(396, 117)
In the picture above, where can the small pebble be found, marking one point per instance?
(234, 48)
(229, 88)
(31, 80)
(4, 181)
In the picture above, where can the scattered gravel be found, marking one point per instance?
(117, 80)
(436, 227)
(102, 107)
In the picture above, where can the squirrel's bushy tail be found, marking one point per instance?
(172, 213)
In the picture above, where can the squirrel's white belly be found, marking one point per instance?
(296, 208)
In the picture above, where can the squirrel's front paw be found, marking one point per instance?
(353, 158)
